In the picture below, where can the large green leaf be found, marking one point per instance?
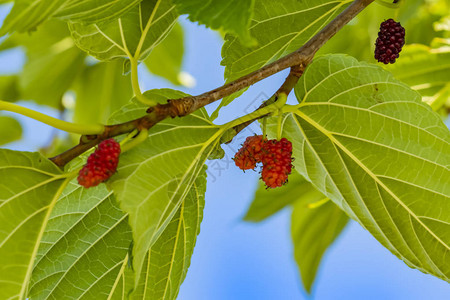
(87, 237)
(10, 130)
(313, 231)
(29, 187)
(167, 261)
(53, 62)
(368, 143)
(232, 16)
(100, 90)
(26, 15)
(154, 178)
(279, 28)
(426, 70)
(269, 201)
(136, 33)
(166, 59)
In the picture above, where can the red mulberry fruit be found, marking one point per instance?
(277, 162)
(101, 164)
(250, 153)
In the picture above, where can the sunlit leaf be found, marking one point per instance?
(166, 59)
(100, 90)
(424, 69)
(136, 33)
(377, 151)
(29, 188)
(167, 261)
(153, 179)
(99, 238)
(232, 16)
(53, 62)
(26, 15)
(89, 11)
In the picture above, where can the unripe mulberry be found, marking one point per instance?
(250, 153)
(390, 41)
(101, 164)
(277, 162)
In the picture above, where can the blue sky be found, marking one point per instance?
(238, 260)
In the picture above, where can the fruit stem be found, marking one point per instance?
(252, 116)
(135, 84)
(281, 101)
(142, 136)
(128, 137)
(90, 129)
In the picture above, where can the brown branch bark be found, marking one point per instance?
(184, 106)
(303, 55)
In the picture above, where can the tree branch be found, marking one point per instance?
(184, 106)
(302, 56)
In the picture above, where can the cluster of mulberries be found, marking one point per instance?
(276, 157)
(101, 164)
(390, 41)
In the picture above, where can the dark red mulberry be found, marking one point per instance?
(390, 41)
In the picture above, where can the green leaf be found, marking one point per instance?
(100, 90)
(313, 231)
(167, 261)
(26, 15)
(134, 34)
(90, 11)
(166, 59)
(10, 130)
(87, 237)
(53, 62)
(232, 16)
(279, 27)
(9, 88)
(154, 178)
(424, 69)
(373, 147)
(269, 201)
(29, 187)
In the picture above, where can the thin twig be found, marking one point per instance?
(287, 86)
(184, 106)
